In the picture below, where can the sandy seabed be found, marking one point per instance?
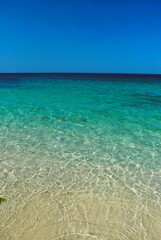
(72, 200)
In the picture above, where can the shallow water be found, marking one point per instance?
(80, 158)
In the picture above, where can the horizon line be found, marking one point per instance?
(82, 73)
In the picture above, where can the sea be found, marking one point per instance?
(80, 156)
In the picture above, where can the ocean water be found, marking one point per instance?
(80, 157)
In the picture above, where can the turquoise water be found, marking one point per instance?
(80, 157)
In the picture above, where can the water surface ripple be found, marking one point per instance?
(80, 158)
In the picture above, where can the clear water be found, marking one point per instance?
(80, 157)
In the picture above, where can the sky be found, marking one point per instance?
(96, 36)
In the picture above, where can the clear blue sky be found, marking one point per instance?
(119, 36)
